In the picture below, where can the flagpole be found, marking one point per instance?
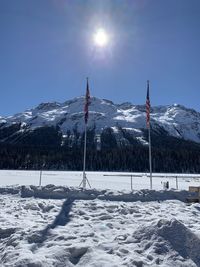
(150, 160)
(148, 109)
(86, 112)
(84, 157)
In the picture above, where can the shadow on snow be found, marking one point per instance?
(61, 219)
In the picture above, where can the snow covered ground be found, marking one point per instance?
(99, 180)
(96, 233)
(150, 228)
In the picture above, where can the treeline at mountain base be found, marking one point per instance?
(40, 150)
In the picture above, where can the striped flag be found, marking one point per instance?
(148, 106)
(87, 102)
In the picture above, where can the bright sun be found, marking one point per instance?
(101, 38)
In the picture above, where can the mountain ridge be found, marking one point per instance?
(176, 120)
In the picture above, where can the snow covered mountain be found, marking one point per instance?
(174, 120)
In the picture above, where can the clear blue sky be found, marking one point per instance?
(46, 51)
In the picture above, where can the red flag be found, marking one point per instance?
(148, 106)
(87, 102)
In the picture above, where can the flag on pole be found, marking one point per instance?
(87, 102)
(148, 106)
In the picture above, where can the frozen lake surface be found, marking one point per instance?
(99, 180)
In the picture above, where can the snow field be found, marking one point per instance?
(140, 228)
(96, 233)
(98, 180)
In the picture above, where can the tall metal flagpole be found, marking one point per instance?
(148, 107)
(84, 157)
(86, 112)
(150, 160)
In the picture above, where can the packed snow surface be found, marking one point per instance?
(96, 233)
(105, 226)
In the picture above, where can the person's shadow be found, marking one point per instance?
(61, 219)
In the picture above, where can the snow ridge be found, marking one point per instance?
(51, 191)
(176, 120)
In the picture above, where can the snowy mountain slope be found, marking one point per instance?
(176, 120)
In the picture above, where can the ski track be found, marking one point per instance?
(96, 233)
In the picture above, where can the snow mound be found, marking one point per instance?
(51, 191)
(177, 234)
(170, 239)
(61, 192)
(10, 190)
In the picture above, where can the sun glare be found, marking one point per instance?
(101, 38)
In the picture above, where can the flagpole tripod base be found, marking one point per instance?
(84, 182)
